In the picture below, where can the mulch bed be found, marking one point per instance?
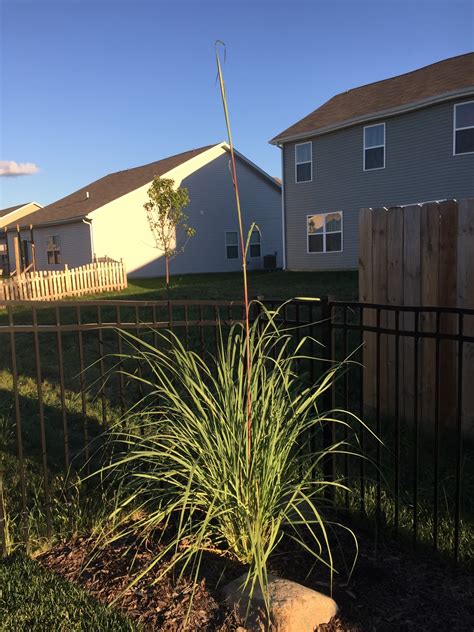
(394, 590)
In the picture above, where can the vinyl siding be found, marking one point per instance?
(419, 166)
(75, 245)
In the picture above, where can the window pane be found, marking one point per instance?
(374, 158)
(315, 243)
(57, 257)
(255, 237)
(232, 252)
(303, 153)
(333, 222)
(374, 136)
(315, 224)
(465, 115)
(50, 254)
(333, 242)
(231, 239)
(255, 250)
(303, 172)
(464, 141)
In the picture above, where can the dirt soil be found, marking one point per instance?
(394, 590)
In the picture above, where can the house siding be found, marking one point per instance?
(419, 166)
(75, 242)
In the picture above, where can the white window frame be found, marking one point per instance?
(375, 146)
(310, 143)
(456, 129)
(324, 233)
(259, 244)
(236, 245)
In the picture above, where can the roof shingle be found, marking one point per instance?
(442, 78)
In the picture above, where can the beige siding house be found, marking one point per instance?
(106, 218)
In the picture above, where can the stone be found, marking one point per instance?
(293, 607)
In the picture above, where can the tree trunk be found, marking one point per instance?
(167, 268)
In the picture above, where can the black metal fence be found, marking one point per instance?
(418, 484)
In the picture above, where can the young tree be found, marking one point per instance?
(165, 215)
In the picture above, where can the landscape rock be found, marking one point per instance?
(293, 607)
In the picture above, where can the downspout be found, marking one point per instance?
(283, 235)
(88, 222)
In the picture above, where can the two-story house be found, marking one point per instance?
(404, 140)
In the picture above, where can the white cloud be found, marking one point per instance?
(10, 168)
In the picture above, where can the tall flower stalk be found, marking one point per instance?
(243, 250)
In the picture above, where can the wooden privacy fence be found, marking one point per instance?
(419, 255)
(50, 285)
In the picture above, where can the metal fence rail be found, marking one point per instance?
(418, 483)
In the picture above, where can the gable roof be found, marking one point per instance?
(437, 82)
(92, 196)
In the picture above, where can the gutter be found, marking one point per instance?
(409, 107)
(88, 222)
(56, 222)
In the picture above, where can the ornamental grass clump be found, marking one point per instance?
(184, 471)
(225, 452)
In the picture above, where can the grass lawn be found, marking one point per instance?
(228, 286)
(32, 598)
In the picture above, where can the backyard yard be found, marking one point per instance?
(67, 584)
(279, 285)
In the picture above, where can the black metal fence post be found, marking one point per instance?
(327, 396)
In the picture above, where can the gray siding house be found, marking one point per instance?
(404, 140)
(106, 218)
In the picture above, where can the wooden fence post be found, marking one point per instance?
(67, 279)
(366, 296)
(465, 291)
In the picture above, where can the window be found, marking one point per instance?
(303, 162)
(53, 249)
(324, 232)
(464, 128)
(255, 244)
(231, 245)
(374, 147)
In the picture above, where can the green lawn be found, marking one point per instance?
(32, 598)
(228, 286)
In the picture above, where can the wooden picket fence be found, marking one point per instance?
(50, 285)
(420, 255)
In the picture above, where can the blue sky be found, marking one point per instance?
(94, 86)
